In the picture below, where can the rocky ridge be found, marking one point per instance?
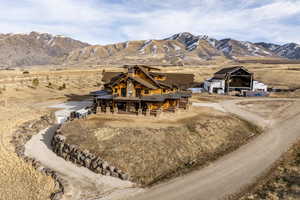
(35, 49)
(179, 49)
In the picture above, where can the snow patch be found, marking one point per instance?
(166, 48)
(50, 41)
(177, 48)
(154, 49)
(142, 48)
(126, 44)
(193, 45)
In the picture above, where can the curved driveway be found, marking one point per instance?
(238, 169)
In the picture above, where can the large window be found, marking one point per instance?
(123, 92)
(138, 92)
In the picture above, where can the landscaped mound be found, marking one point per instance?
(150, 149)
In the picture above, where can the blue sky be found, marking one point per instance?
(110, 21)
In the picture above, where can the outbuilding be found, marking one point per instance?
(233, 79)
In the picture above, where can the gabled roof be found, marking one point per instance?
(229, 70)
(144, 66)
(143, 82)
(108, 76)
(221, 74)
(148, 75)
(172, 79)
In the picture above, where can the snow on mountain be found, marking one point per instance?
(241, 48)
(35, 48)
(191, 41)
(269, 46)
(290, 50)
(184, 48)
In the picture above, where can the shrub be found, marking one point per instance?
(35, 82)
(62, 87)
(49, 85)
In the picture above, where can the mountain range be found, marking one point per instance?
(179, 49)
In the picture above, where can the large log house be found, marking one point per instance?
(141, 90)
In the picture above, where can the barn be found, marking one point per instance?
(230, 79)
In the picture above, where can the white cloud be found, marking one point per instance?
(100, 21)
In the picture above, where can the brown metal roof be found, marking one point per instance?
(178, 79)
(143, 82)
(145, 66)
(231, 69)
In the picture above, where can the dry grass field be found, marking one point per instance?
(275, 75)
(18, 180)
(20, 103)
(154, 149)
(283, 181)
(267, 109)
(21, 100)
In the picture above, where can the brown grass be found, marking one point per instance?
(282, 182)
(267, 109)
(19, 180)
(157, 149)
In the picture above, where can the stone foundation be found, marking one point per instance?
(84, 158)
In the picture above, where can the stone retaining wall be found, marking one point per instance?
(22, 136)
(84, 158)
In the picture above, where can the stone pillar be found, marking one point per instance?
(140, 112)
(176, 109)
(188, 106)
(107, 111)
(158, 113)
(98, 110)
(148, 112)
(116, 110)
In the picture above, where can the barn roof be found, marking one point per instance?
(222, 73)
(229, 70)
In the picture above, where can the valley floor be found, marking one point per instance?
(19, 180)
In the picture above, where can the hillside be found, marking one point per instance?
(179, 49)
(169, 52)
(35, 49)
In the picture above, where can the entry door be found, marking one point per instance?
(123, 92)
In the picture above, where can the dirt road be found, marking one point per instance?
(223, 177)
(79, 182)
(238, 169)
